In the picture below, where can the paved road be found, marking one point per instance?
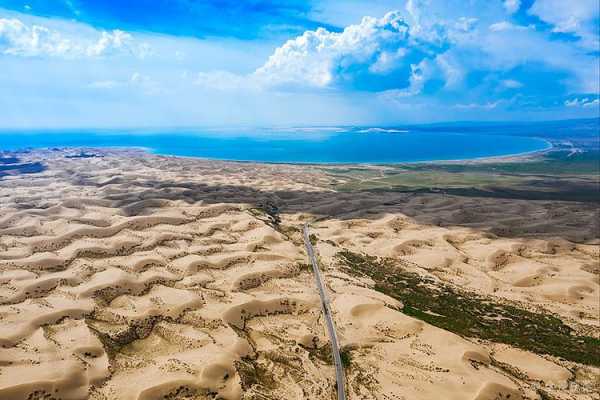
(339, 368)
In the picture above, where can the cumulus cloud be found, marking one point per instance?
(387, 61)
(109, 41)
(376, 54)
(322, 58)
(20, 39)
(419, 73)
(417, 57)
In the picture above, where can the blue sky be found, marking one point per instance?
(84, 63)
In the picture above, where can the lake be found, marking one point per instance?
(351, 145)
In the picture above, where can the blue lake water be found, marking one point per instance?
(298, 146)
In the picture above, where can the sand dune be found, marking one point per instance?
(134, 276)
(514, 269)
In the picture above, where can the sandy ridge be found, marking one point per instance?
(146, 277)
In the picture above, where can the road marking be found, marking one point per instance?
(335, 348)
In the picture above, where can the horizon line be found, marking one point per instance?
(307, 126)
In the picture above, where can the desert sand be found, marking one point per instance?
(135, 276)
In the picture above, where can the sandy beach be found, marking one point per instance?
(130, 276)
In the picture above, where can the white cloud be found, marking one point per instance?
(71, 7)
(16, 38)
(583, 102)
(451, 69)
(448, 66)
(320, 58)
(141, 82)
(20, 39)
(108, 42)
(511, 84)
(389, 55)
(507, 46)
(512, 6)
(387, 61)
(465, 24)
(419, 73)
(566, 16)
(108, 84)
(477, 106)
(145, 83)
(576, 17)
(414, 7)
(508, 26)
(387, 50)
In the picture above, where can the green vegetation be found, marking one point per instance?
(253, 373)
(313, 239)
(322, 353)
(427, 179)
(325, 355)
(552, 163)
(346, 357)
(557, 175)
(303, 267)
(473, 315)
(268, 212)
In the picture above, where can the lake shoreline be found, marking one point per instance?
(303, 149)
(522, 156)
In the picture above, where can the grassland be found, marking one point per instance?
(472, 315)
(557, 175)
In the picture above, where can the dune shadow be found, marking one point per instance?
(504, 213)
(14, 166)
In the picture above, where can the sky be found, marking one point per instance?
(192, 63)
